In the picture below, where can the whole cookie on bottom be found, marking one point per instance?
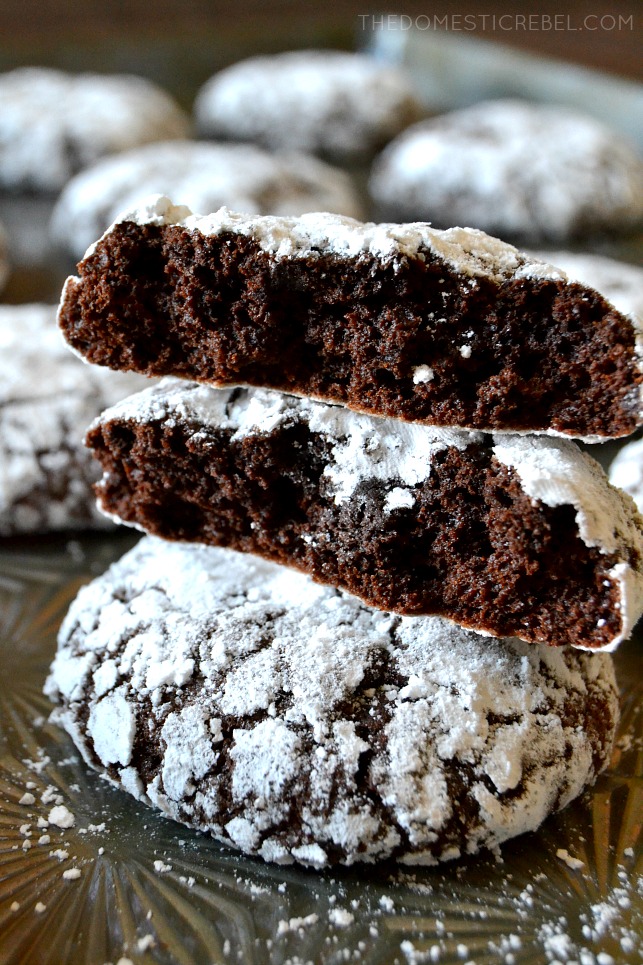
(47, 399)
(53, 124)
(517, 170)
(292, 722)
(341, 105)
(204, 177)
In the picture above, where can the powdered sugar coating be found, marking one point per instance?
(293, 722)
(47, 399)
(471, 252)
(53, 124)
(203, 176)
(364, 449)
(338, 104)
(515, 169)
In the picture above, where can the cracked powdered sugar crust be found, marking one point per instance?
(400, 454)
(293, 722)
(47, 399)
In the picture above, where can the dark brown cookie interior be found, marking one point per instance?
(526, 354)
(474, 547)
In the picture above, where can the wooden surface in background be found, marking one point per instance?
(195, 37)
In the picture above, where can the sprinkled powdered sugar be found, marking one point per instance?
(399, 454)
(296, 723)
(465, 250)
(47, 399)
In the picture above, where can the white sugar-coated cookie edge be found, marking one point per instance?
(466, 250)
(551, 472)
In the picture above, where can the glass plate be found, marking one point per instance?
(145, 889)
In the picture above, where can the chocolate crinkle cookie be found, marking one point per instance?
(517, 170)
(344, 106)
(53, 124)
(47, 398)
(292, 722)
(449, 328)
(202, 176)
(510, 535)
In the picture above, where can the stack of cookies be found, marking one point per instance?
(383, 419)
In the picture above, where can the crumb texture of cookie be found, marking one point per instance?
(53, 124)
(523, 171)
(446, 327)
(619, 282)
(202, 176)
(47, 399)
(340, 105)
(511, 536)
(291, 722)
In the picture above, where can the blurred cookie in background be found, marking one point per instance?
(4, 257)
(48, 397)
(203, 176)
(517, 170)
(53, 124)
(343, 106)
(626, 471)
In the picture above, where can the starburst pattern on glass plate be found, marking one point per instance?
(156, 892)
